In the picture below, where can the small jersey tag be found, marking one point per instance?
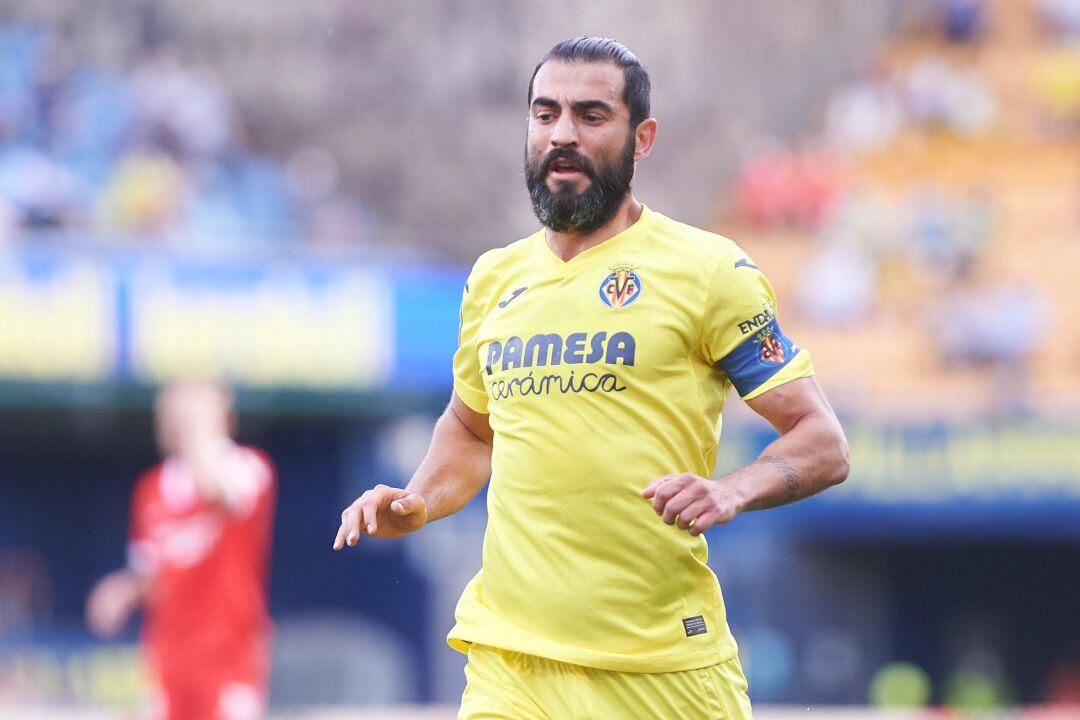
(694, 626)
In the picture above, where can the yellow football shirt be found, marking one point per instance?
(598, 375)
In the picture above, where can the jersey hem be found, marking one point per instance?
(462, 638)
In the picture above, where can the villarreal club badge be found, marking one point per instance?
(621, 287)
(772, 350)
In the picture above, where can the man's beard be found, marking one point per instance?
(566, 211)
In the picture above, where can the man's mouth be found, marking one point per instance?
(562, 169)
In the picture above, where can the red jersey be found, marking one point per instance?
(206, 615)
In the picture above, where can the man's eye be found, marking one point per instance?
(544, 117)
(593, 118)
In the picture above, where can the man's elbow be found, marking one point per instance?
(841, 463)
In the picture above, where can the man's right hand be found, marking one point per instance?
(113, 600)
(383, 512)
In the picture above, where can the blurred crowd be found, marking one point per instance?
(977, 687)
(919, 248)
(152, 153)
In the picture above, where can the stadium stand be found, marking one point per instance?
(998, 191)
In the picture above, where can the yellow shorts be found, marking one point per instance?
(503, 685)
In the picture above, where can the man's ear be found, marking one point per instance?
(644, 137)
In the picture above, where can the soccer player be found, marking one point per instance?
(198, 559)
(594, 360)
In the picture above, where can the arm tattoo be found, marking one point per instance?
(791, 482)
(787, 470)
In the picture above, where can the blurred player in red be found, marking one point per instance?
(198, 559)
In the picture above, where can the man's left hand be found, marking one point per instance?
(692, 502)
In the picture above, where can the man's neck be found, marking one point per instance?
(568, 245)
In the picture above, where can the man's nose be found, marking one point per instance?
(564, 134)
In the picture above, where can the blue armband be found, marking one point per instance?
(758, 358)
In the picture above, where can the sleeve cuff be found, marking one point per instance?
(800, 366)
(142, 557)
(476, 401)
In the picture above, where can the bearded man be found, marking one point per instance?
(594, 360)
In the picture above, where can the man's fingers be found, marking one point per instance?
(676, 505)
(362, 517)
(369, 505)
(339, 540)
(680, 504)
(350, 520)
(407, 505)
(687, 497)
(692, 512)
(703, 522)
(651, 488)
(688, 517)
(664, 493)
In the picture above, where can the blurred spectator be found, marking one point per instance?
(941, 95)
(43, 193)
(976, 691)
(863, 116)
(994, 325)
(781, 188)
(144, 194)
(836, 286)
(948, 236)
(150, 153)
(26, 593)
(900, 685)
(198, 558)
(963, 21)
(1056, 79)
(819, 177)
(863, 212)
(934, 246)
(1060, 18)
(974, 650)
(187, 103)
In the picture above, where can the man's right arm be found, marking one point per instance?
(456, 466)
(114, 599)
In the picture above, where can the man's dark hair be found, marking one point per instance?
(636, 86)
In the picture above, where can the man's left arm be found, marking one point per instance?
(810, 455)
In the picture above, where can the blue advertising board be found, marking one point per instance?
(1002, 479)
(139, 318)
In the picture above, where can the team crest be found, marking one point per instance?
(773, 348)
(621, 287)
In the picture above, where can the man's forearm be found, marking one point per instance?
(810, 457)
(456, 466)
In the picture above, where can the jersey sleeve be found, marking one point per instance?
(247, 476)
(468, 383)
(143, 555)
(254, 526)
(742, 334)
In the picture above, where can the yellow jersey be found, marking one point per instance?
(599, 374)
